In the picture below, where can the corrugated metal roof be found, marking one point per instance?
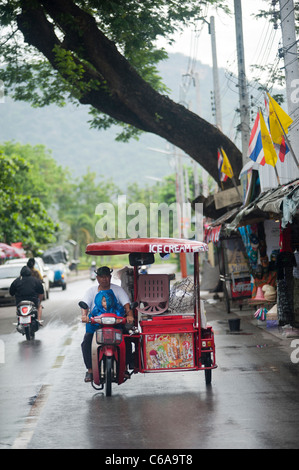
(268, 205)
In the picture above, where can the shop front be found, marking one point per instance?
(269, 227)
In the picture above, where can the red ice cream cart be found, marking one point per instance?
(164, 340)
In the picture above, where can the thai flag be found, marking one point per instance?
(255, 148)
(281, 149)
(222, 176)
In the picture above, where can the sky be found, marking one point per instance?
(261, 40)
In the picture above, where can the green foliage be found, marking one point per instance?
(81, 215)
(23, 217)
(42, 205)
(33, 186)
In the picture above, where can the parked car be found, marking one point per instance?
(7, 274)
(39, 265)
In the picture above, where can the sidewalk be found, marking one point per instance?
(77, 276)
(247, 313)
(215, 308)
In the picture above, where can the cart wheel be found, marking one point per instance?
(226, 298)
(208, 372)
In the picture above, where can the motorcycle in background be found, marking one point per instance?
(27, 319)
(92, 273)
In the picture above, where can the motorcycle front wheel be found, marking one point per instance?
(108, 376)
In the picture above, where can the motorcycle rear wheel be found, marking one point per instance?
(30, 335)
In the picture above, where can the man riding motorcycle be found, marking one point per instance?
(27, 287)
(104, 284)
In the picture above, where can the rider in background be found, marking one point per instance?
(35, 272)
(27, 287)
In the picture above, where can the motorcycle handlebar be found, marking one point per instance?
(83, 305)
(119, 320)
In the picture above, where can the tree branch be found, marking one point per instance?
(121, 91)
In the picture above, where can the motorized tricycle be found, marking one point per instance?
(165, 338)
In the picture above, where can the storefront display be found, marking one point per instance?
(263, 276)
(269, 228)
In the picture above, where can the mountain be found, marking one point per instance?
(65, 131)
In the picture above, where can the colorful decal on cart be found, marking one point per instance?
(169, 351)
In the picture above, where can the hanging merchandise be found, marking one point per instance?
(296, 266)
(284, 303)
(286, 261)
(260, 295)
(273, 260)
(285, 239)
(263, 276)
(261, 314)
(251, 243)
(269, 293)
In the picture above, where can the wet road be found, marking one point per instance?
(253, 401)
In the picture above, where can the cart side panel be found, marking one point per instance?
(168, 344)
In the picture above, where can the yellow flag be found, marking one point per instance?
(278, 119)
(226, 166)
(268, 147)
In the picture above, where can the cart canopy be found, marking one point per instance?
(145, 245)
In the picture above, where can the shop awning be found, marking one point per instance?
(212, 231)
(281, 202)
(212, 234)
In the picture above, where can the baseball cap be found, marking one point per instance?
(103, 271)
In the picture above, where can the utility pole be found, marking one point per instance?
(204, 173)
(290, 55)
(243, 94)
(215, 74)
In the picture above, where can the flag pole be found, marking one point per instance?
(233, 180)
(235, 185)
(278, 180)
(285, 136)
